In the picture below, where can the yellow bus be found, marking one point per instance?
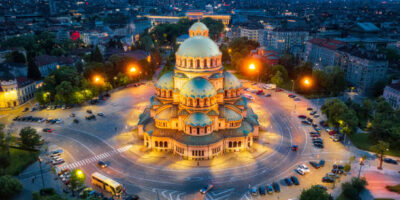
(107, 184)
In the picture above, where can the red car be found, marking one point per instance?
(332, 132)
(278, 90)
(260, 92)
(294, 148)
(47, 130)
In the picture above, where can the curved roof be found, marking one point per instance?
(154, 101)
(198, 46)
(166, 81)
(242, 102)
(198, 87)
(166, 114)
(230, 81)
(180, 75)
(216, 75)
(198, 119)
(231, 115)
(198, 26)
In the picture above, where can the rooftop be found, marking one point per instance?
(327, 43)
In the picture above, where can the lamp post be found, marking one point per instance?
(361, 164)
(292, 85)
(252, 67)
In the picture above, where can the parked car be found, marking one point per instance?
(300, 171)
(47, 130)
(319, 145)
(297, 99)
(270, 190)
(322, 187)
(309, 108)
(295, 180)
(310, 120)
(321, 163)
(268, 95)
(333, 175)
(278, 90)
(294, 148)
(313, 112)
(327, 179)
(323, 123)
(306, 122)
(291, 96)
(276, 186)
(389, 160)
(254, 191)
(337, 171)
(302, 116)
(89, 111)
(261, 190)
(206, 189)
(316, 116)
(288, 181)
(314, 164)
(100, 114)
(304, 167)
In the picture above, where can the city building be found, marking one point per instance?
(283, 40)
(198, 111)
(253, 32)
(46, 64)
(322, 52)
(267, 56)
(392, 94)
(192, 15)
(363, 67)
(16, 91)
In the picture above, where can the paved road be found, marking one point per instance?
(108, 138)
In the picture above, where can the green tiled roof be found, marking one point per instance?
(212, 112)
(198, 46)
(183, 112)
(166, 81)
(252, 117)
(199, 140)
(242, 102)
(154, 101)
(229, 114)
(166, 114)
(230, 81)
(216, 75)
(198, 119)
(198, 87)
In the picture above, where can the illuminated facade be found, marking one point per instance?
(16, 92)
(198, 111)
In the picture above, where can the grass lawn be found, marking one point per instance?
(19, 160)
(394, 188)
(363, 142)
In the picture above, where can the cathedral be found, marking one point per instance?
(198, 111)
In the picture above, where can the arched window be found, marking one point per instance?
(240, 144)
(191, 63)
(205, 63)
(198, 63)
(198, 102)
(190, 130)
(156, 143)
(190, 102)
(226, 93)
(234, 144)
(170, 93)
(161, 144)
(230, 144)
(165, 144)
(184, 63)
(206, 101)
(211, 62)
(198, 131)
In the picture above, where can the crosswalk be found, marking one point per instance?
(220, 195)
(95, 158)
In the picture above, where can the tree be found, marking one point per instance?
(347, 167)
(336, 81)
(277, 79)
(349, 191)
(340, 115)
(33, 70)
(10, 186)
(4, 151)
(96, 55)
(16, 57)
(77, 179)
(314, 193)
(380, 149)
(215, 26)
(64, 92)
(29, 137)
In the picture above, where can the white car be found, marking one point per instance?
(300, 171)
(304, 168)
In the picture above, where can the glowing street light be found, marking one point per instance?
(252, 66)
(97, 79)
(79, 173)
(132, 70)
(307, 82)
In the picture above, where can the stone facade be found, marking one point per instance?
(198, 111)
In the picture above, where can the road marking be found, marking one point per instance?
(94, 158)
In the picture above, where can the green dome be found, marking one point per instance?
(198, 87)
(198, 119)
(216, 75)
(230, 115)
(198, 26)
(198, 46)
(166, 81)
(230, 81)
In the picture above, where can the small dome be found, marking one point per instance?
(166, 81)
(230, 115)
(154, 101)
(198, 26)
(198, 47)
(198, 87)
(230, 81)
(198, 119)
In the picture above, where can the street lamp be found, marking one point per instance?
(79, 173)
(361, 164)
(97, 79)
(41, 172)
(252, 66)
(307, 82)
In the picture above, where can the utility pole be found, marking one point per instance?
(41, 172)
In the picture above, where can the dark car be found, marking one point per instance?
(261, 190)
(102, 164)
(306, 122)
(321, 163)
(322, 187)
(295, 148)
(319, 145)
(309, 108)
(323, 123)
(327, 179)
(335, 166)
(337, 171)
(340, 167)
(89, 111)
(302, 116)
(270, 190)
(276, 186)
(288, 181)
(295, 180)
(314, 164)
(76, 121)
(310, 120)
(47, 130)
(389, 160)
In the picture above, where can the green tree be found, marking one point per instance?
(380, 148)
(339, 115)
(77, 179)
(64, 92)
(314, 193)
(33, 70)
(16, 57)
(10, 186)
(277, 79)
(336, 81)
(4, 149)
(29, 137)
(215, 27)
(96, 55)
(347, 167)
(349, 191)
